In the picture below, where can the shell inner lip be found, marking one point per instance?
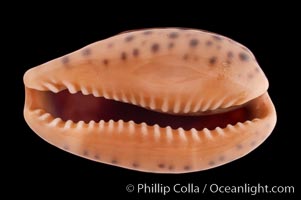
(78, 107)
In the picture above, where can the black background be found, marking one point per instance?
(39, 35)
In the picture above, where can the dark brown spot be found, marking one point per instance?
(187, 167)
(239, 146)
(135, 164)
(135, 52)
(211, 163)
(253, 143)
(114, 161)
(212, 60)
(96, 157)
(171, 45)
(105, 62)
(173, 35)
(209, 43)
(243, 56)
(86, 52)
(170, 167)
(193, 43)
(86, 153)
(143, 42)
(217, 38)
(250, 75)
(129, 38)
(221, 158)
(123, 56)
(65, 60)
(185, 56)
(155, 47)
(161, 165)
(230, 54)
(147, 32)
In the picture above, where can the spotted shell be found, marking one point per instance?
(173, 72)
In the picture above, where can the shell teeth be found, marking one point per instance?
(91, 124)
(69, 124)
(195, 135)
(190, 105)
(144, 129)
(206, 106)
(70, 87)
(84, 90)
(142, 101)
(131, 127)
(220, 131)
(187, 107)
(101, 124)
(217, 104)
(182, 134)
(248, 122)
(111, 125)
(240, 125)
(225, 102)
(95, 93)
(124, 98)
(169, 135)
(38, 112)
(105, 94)
(197, 106)
(51, 87)
(115, 96)
(133, 99)
(152, 104)
(164, 107)
(230, 127)
(229, 103)
(80, 124)
(45, 117)
(120, 126)
(177, 105)
(207, 133)
(157, 133)
(55, 122)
